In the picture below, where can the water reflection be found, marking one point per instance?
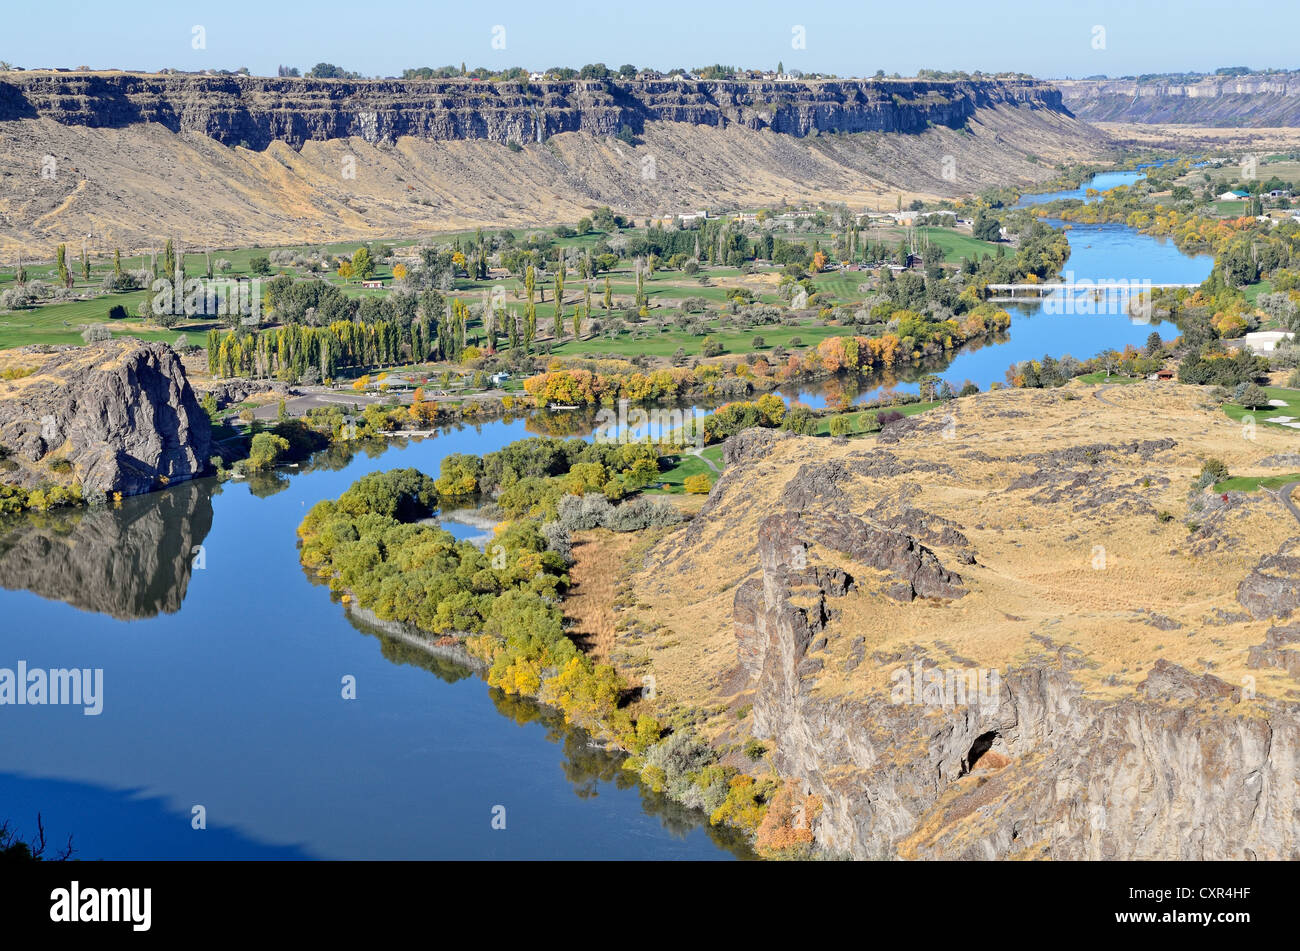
(587, 765)
(129, 562)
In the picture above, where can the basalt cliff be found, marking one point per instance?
(254, 112)
(228, 161)
(116, 417)
(1008, 628)
(1249, 101)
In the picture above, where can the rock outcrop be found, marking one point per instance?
(117, 417)
(254, 112)
(1272, 589)
(1013, 765)
(1212, 101)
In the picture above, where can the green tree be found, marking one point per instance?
(265, 450)
(61, 261)
(986, 226)
(363, 267)
(1254, 396)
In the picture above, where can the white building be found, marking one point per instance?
(1266, 341)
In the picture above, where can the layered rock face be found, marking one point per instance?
(1158, 776)
(131, 561)
(254, 111)
(1210, 102)
(122, 414)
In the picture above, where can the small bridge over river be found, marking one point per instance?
(1016, 291)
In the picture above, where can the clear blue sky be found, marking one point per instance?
(1051, 39)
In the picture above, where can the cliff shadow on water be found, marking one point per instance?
(130, 561)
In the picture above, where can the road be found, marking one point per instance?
(1284, 496)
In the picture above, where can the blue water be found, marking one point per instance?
(1099, 253)
(233, 702)
(1100, 183)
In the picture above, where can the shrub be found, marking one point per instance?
(117, 312)
(579, 513)
(698, 484)
(841, 425)
(1212, 471)
(16, 297)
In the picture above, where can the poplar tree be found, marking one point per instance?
(61, 261)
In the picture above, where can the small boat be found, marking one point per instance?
(561, 406)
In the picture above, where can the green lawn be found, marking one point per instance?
(957, 245)
(1261, 414)
(1253, 483)
(666, 344)
(858, 418)
(1252, 291)
(1232, 209)
(63, 322)
(685, 466)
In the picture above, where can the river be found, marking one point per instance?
(223, 665)
(1106, 252)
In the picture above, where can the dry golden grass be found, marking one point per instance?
(1040, 570)
(1177, 135)
(599, 556)
(128, 187)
